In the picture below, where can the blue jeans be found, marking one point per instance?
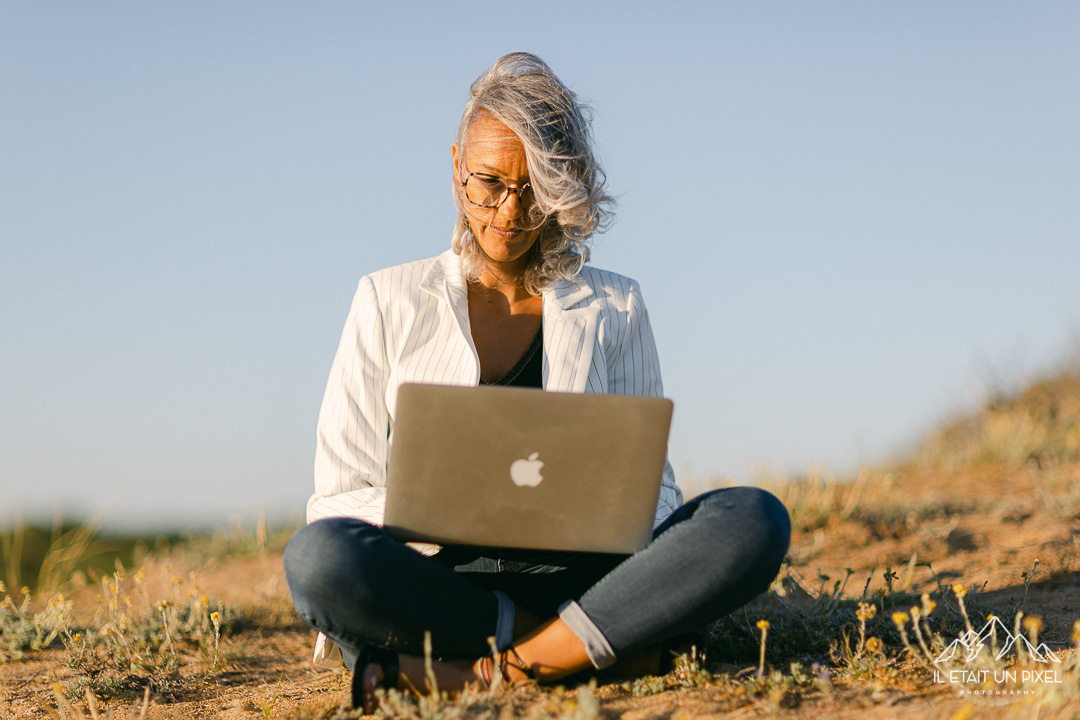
(357, 585)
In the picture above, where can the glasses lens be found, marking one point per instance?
(484, 190)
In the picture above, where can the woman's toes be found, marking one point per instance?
(372, 680)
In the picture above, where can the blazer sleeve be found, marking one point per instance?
(636, 371)
(352, 434)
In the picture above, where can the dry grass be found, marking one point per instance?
(1039, 426)
(885, 571)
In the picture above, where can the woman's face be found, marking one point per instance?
(495, 151)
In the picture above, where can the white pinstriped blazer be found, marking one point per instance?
(410, 323)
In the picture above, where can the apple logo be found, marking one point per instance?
(526, 473)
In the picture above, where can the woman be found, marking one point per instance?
(511, 303)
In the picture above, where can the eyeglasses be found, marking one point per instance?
(491, 191)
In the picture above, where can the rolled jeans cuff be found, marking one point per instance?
(504, 625)
(597, 647)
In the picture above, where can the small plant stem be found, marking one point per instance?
(916, 617)
(91, 702)
(1021, 656)
(1028, 577)
(901, 624)
(165, 622)
(429, 668)
(761, 658)
(866, 587)
(964, 613)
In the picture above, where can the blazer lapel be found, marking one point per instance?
(569, 335)
(445, 281)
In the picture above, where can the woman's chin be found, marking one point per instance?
(507, 251)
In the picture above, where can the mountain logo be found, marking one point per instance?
(971, 643)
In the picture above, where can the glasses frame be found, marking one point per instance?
(506, 193)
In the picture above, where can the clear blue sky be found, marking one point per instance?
(844, 216)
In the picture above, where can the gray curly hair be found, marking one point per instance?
(522, 92)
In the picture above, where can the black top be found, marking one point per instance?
(528, 371)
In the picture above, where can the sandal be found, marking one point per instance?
(503, 660)
(387, 660)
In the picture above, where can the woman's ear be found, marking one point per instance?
(454, 152)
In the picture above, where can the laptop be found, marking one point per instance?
(525, 468)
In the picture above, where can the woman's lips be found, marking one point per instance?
(506, 233)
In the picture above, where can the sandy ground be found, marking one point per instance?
(981, 530)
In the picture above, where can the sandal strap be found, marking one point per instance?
(519, 664)
(488, 663)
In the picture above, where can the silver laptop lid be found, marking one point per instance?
(524, 468)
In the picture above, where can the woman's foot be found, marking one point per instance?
(369, 679)
(548, 653)
(375, 668)
(450, 676)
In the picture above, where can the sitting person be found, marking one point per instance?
(512, 302)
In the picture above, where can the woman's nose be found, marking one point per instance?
(511, 207)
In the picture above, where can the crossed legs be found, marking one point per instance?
(360, 587)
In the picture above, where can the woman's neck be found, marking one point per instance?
(505, 281)
(512, 291)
